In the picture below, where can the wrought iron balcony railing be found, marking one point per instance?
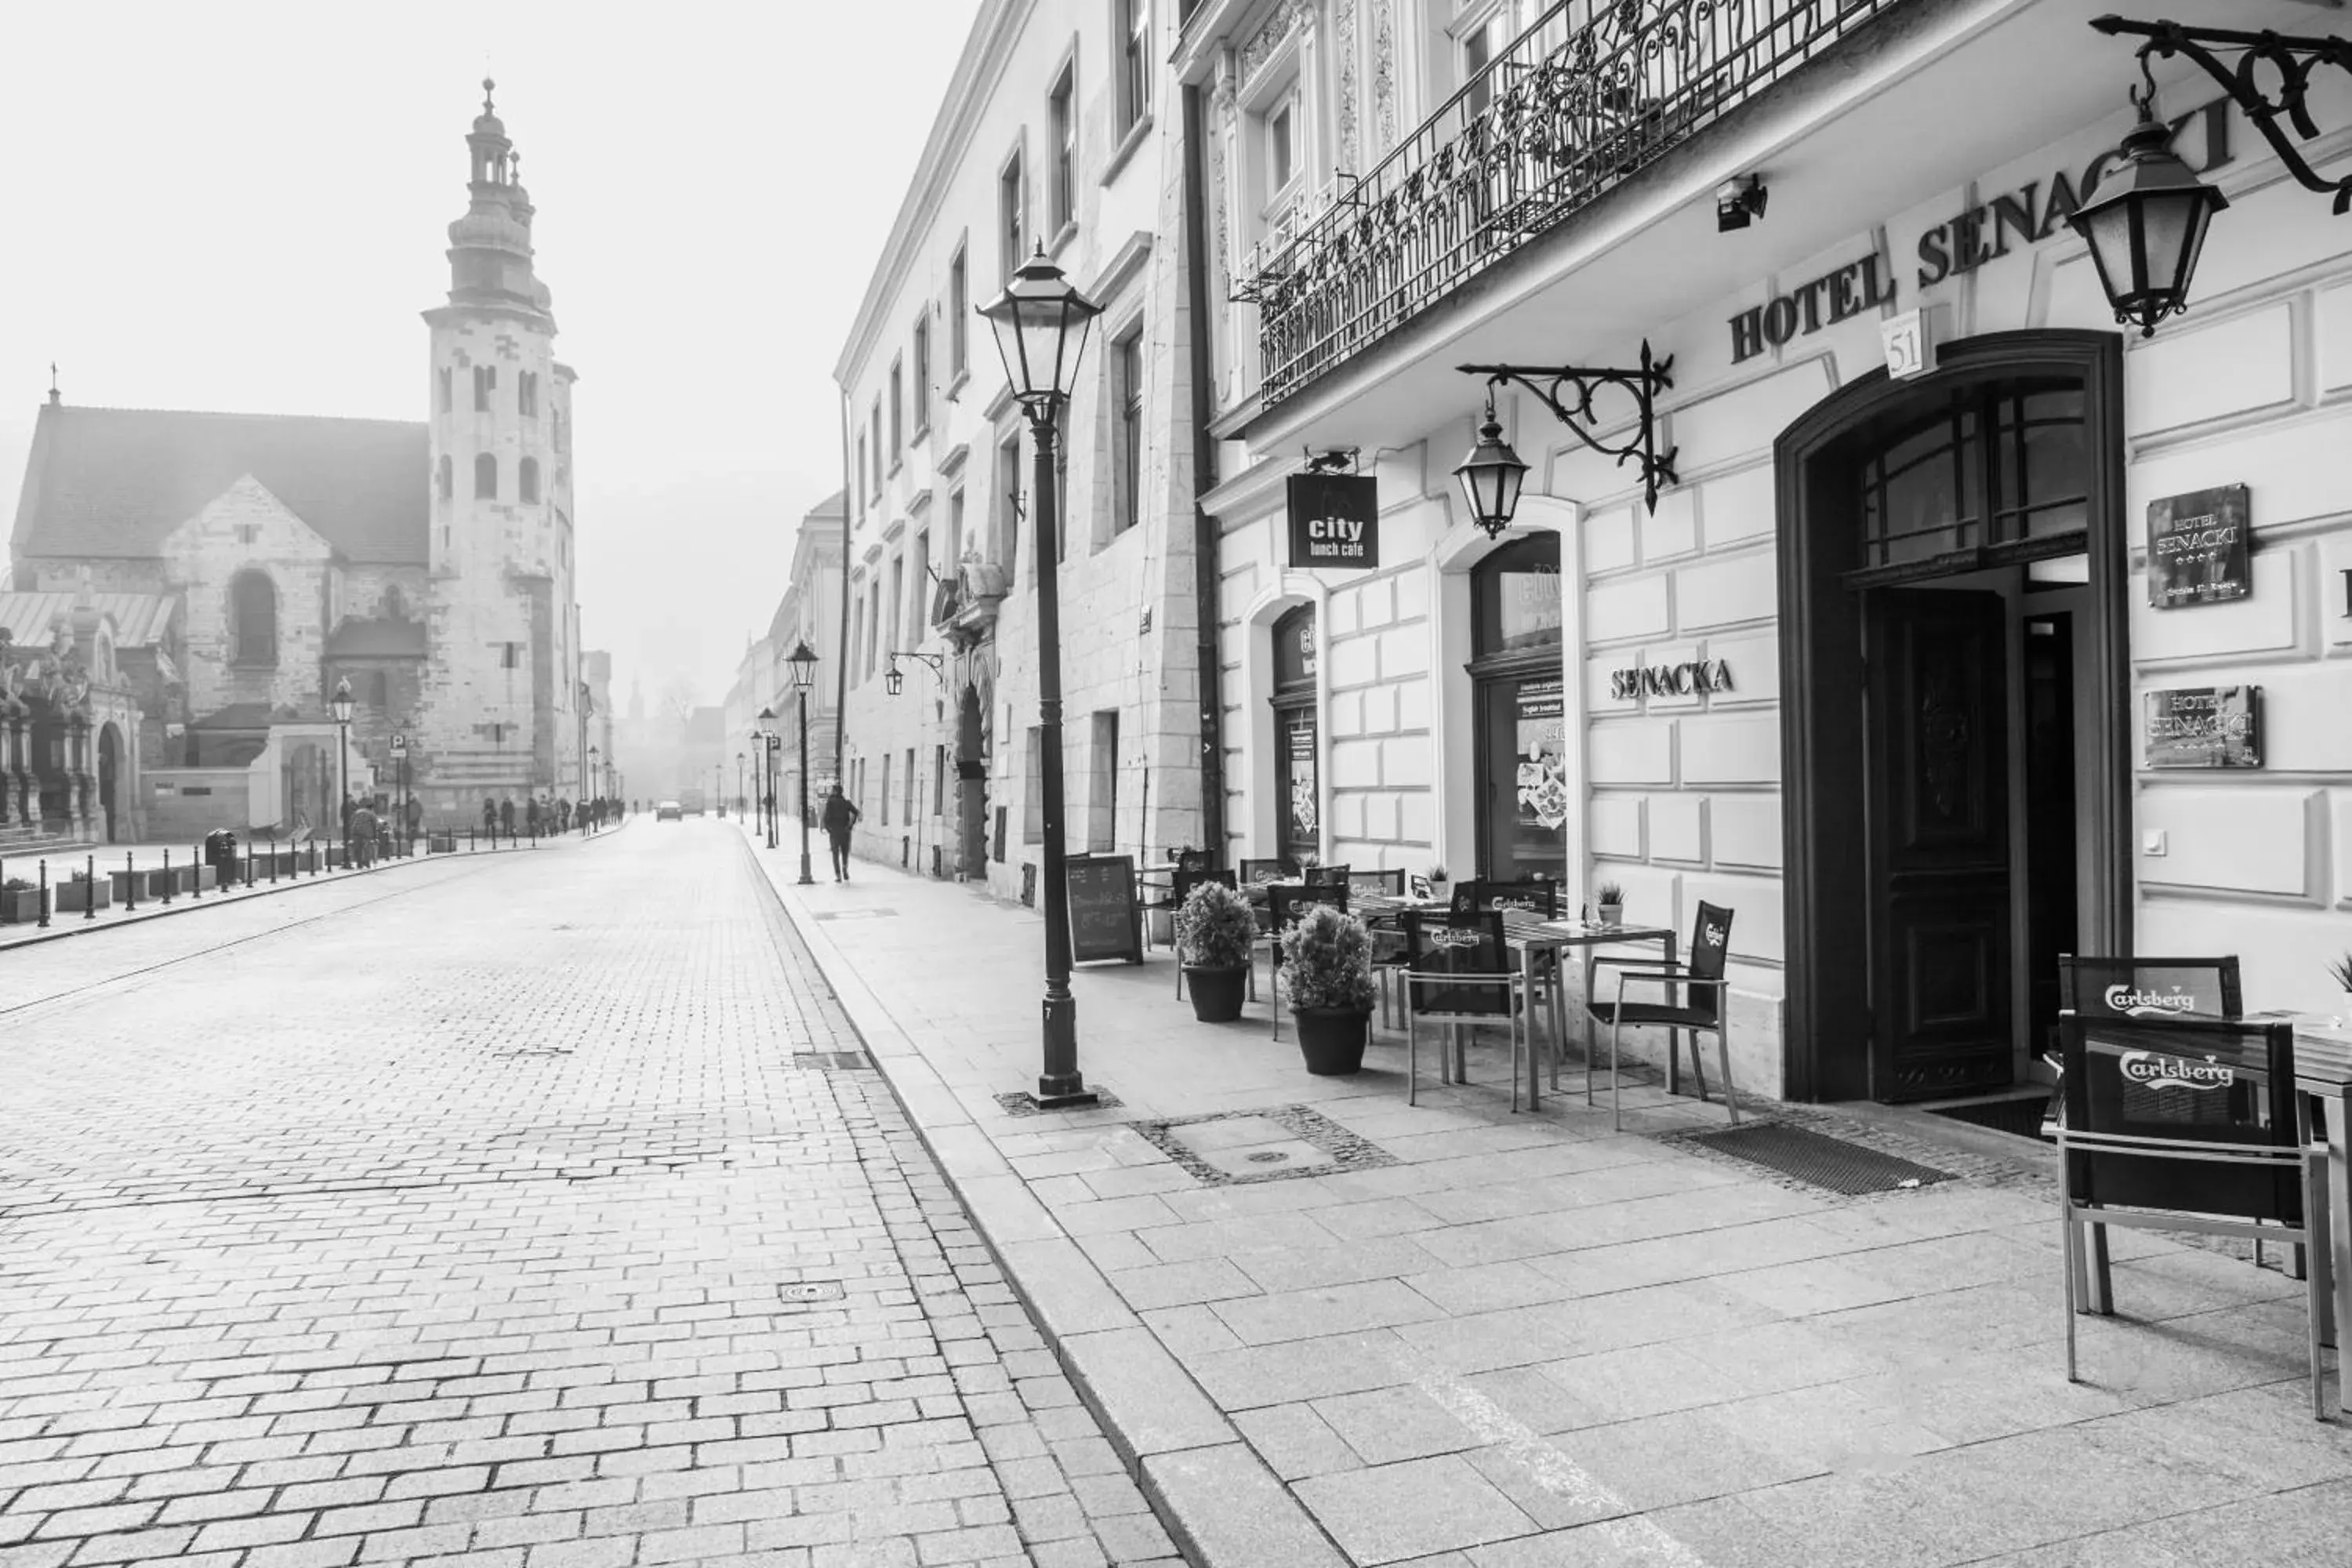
(1562, 115)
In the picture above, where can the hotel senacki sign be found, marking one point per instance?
(1692, 678)
(1973, 238)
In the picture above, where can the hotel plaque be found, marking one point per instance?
(2205, 727)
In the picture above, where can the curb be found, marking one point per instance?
(189, 904)
(1220, 1503)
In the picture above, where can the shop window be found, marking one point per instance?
(1994, 466)
(486, 477)
(252, 619)
(1521, 791)
(1102, 784)
(527, 479)
(1514, 597)
(1298, 733)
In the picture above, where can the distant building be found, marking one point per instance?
(809, 613)
(205, 580)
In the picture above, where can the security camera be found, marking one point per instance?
(1739, 202)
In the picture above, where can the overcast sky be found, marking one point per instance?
(243, 206)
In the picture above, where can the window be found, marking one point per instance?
(486, 477)
(921, 608)
(861, 473)
(1990, 466)
(1478, 37)
(1134, 45)
(1297, 792)
(939, 780)
(908, 773)
(885, 789)
(898, 408)
(485, 381)
(527, 479)
(379, 691)
(1281, 150)
(526, 394)
(449, 397)
(923, 372)
(1011, 253)
(959, 313)
(878, 451)
(1033, 793)
(1126, 398)
(873, 628)
(856, 639)
(1102, 792)
(1008, 516)
(1062, 147)
(953, 562)
(897, 597)
(510, 656)
(252, 619)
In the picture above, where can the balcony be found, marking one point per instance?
(1558, 118)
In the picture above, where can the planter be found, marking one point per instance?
(1216, 993)
(1332, 1039)
(441, 844)
(150, 881)
(77, 897)
(1612, 914)
(20, 906)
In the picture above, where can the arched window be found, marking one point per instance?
(379, 691)
(446, 481)
(395, 602)
(1298, 795)
(527, 479)
(252, 619)
(486, 477)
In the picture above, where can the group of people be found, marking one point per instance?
(545, 814)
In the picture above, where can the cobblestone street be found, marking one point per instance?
(534, 1211)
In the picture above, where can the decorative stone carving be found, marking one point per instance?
(1384, 71)
(1271, 36)
(1343, 35)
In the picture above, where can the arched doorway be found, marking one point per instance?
(110, 780)
(1956, 726)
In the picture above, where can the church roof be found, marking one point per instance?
(140, 619)
(115, 482)
(357, 639)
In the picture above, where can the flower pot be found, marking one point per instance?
(20, 906)
(1216, 993)
(1332, 1039)
(1612, 914)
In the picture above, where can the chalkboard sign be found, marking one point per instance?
(2197, 548)
(1104, 922)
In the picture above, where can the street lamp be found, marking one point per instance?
(1491, 475)
(802, 661)
(593, 775)
(765, 734)
(1041, 324)
(341, 704)
(739, 786)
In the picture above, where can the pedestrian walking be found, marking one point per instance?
(530, 815)
(839, 818)
(359, 835)
(490, 819)
(505, 817)
(416, 818)
(350, 806)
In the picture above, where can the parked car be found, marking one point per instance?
(670, 811)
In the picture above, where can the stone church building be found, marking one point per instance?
(190, 588)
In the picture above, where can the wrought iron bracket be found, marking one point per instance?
(1568, 390)
(2294, 58)
(936, 660)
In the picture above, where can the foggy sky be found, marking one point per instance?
(244, 207)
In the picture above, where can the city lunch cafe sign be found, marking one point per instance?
(1964, 242)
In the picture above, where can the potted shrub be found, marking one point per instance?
(20, 901)
(1611, 899)
(78, 894)
(1433, 886)
(1327, 973)
(2341, 970)
(1215, 933)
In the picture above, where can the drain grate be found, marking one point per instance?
(831, 1061)
(1822, 1160)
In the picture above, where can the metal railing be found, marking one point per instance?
(1565, 113)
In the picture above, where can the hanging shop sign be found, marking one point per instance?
(1694, 678)
(2205, 727)
(1335, 521)
(2199, 548)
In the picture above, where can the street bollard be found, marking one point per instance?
(129, 883)
(273, 862)
(167, 875)
(44, 921)
(89, 905)
(248, 880)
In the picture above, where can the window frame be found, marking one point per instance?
(1131, 32)
(1126, 406)
(1062, 152)
(920, 352)
(527, 481)
(1011, 214)
(960, 310)
(898, 410)
(485, 463)
(242, 654)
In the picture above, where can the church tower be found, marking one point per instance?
(500, 713)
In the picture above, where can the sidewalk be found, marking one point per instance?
(1326, 1329)
(111, 860)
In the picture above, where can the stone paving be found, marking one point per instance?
(1524, 1340)
(528, 1211)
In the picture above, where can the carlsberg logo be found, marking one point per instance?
(2159, 1071)
(2124, 999)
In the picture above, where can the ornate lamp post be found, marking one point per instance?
(1491, 475)
(1041, 324)
(802, 663)
(739, 786)
(765, 773)
(341, 704)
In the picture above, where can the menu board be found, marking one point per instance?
(2205, 727)
(2198, 549)
(1104, 921)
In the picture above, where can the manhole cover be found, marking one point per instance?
(811, 1290)
(1268, 1157)
(1820, 1160)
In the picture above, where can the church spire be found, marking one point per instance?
(490, 250)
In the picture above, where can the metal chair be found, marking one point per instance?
(1539, 895)
(1706, 1010)
(1327, 876)
(2193, 1124)
(1281, 868)
(1378, 884)
(1458, 971)
(1285, 905)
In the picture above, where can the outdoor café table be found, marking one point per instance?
(2323, 1072)
(1529, 935)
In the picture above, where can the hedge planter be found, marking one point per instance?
(1216, 993)
(20, 906)
(441, 844)
(1332, 1039)
(149, 879)
(75, 898)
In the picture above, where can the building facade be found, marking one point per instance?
(1054, 134)
(1906, 666)
(257, 561)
